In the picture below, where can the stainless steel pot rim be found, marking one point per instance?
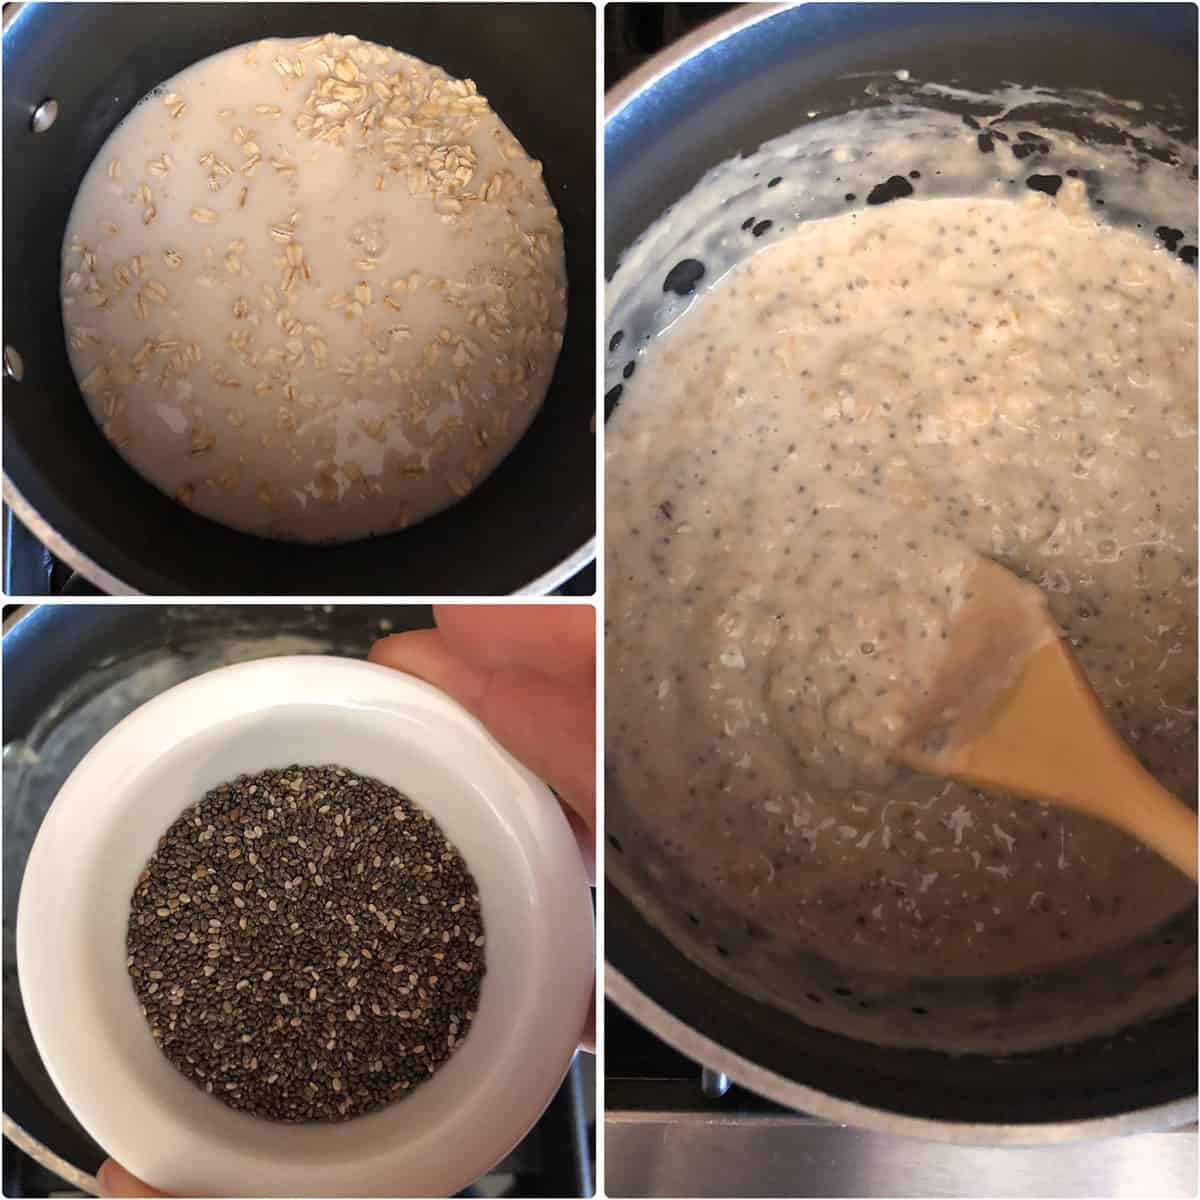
(46, 1158)
(59, 546)
(15, 617)
(665, 61)
(91, 570)
(765, 1082)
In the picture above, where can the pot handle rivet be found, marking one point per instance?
(44, 116)
(14, 365)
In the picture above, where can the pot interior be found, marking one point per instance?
(875, 1037)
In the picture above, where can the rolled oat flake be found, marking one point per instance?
(306, 944)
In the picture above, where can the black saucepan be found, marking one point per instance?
(748, 77)
(529, 527)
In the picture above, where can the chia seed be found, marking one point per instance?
(306, 944)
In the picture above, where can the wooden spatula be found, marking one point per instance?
(1011, 709)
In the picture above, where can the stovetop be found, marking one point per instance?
(643, 1074)
(674, 1129)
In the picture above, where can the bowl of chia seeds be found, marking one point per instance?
(301, 927)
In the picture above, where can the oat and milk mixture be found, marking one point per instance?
(798, 473)
(314, 290)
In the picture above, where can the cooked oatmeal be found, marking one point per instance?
(798, 473)
(314, 290)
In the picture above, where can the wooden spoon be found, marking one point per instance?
(1010, 708)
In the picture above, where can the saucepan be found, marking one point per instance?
(753, 75)
(530, 526)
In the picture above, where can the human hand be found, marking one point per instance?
(113, 1180)
(528, 672)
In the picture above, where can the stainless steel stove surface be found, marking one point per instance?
(671, 1130)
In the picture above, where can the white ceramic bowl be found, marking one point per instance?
(103, 826)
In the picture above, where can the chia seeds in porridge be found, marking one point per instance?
(799, 472)
(313, 290)
(306, 944)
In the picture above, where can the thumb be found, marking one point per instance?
(113, 1180)
(546, 724)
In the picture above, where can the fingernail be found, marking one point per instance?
(102, 1184)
